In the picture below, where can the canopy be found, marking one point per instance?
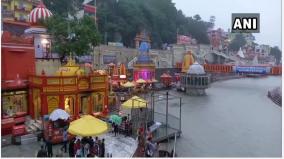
(114, 82)
(88, 126)
(111, 64)
(134, 102)
(116, 119)
(58, 114)
(140, 81)
(128, 84)
(154, 80)
(166, 75)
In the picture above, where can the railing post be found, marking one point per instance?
(180, 114)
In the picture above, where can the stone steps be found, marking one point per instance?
(29, 138)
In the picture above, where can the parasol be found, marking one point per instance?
(88, 126)
(58, 114)
(134, 102)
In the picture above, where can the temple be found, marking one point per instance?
(70, 89)
(195, 81)
(144, 68)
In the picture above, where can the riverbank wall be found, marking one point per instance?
(225, 76)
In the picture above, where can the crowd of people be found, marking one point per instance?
(84, 147)
(124, 128)
(87, 147)
(95, 147)
(151, 147)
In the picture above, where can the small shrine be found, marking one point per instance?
(144, 68)
(42, 40)
(70, 89)
(195, 81)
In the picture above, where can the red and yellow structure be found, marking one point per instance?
(276, 70)
(218, 68)
(69, 89)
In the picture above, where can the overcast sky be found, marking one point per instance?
(270, 15)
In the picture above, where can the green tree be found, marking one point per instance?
(197, 17)
(64, 7)
(72, 35)
(276, 52)
(237, 42)
(160, 18)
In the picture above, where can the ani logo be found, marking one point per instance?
(245, 22)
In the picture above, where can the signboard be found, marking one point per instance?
(107, 59)
(251, 69)
(117, 44)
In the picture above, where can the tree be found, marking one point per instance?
(72, 35)
(237, 42)
(160, 18)
(197, 17)
(64, 7)
(212, 21)
(276, 52)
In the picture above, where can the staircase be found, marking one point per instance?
(33, 128)
(130, 64)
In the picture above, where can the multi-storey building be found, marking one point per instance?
(218, 39)
(17, 10)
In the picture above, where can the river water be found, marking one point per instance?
(235, 119)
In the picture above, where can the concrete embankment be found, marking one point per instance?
(225, 76)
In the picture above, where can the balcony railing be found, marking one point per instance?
(7, 14)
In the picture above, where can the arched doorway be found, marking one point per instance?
(69, 105)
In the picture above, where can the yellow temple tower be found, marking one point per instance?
(188, 60)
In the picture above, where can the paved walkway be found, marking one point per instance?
(119, 146)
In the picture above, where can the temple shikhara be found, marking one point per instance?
(144, 68)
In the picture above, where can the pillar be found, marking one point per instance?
(44, 105)
(61, 102)
(31, 104)
(76, 113)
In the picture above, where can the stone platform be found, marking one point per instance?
(118, 146)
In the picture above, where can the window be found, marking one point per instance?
(98, 102)
(13, 102)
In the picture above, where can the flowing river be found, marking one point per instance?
(235, 119)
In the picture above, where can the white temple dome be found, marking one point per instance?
(40, 12)
(196, 68)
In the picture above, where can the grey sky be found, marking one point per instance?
(270, 15)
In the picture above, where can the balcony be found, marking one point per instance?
(22, 9)
(7, 14)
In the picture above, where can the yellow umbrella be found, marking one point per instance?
(88, 126)
(134, 102)
(128, 84)
(141, 81)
